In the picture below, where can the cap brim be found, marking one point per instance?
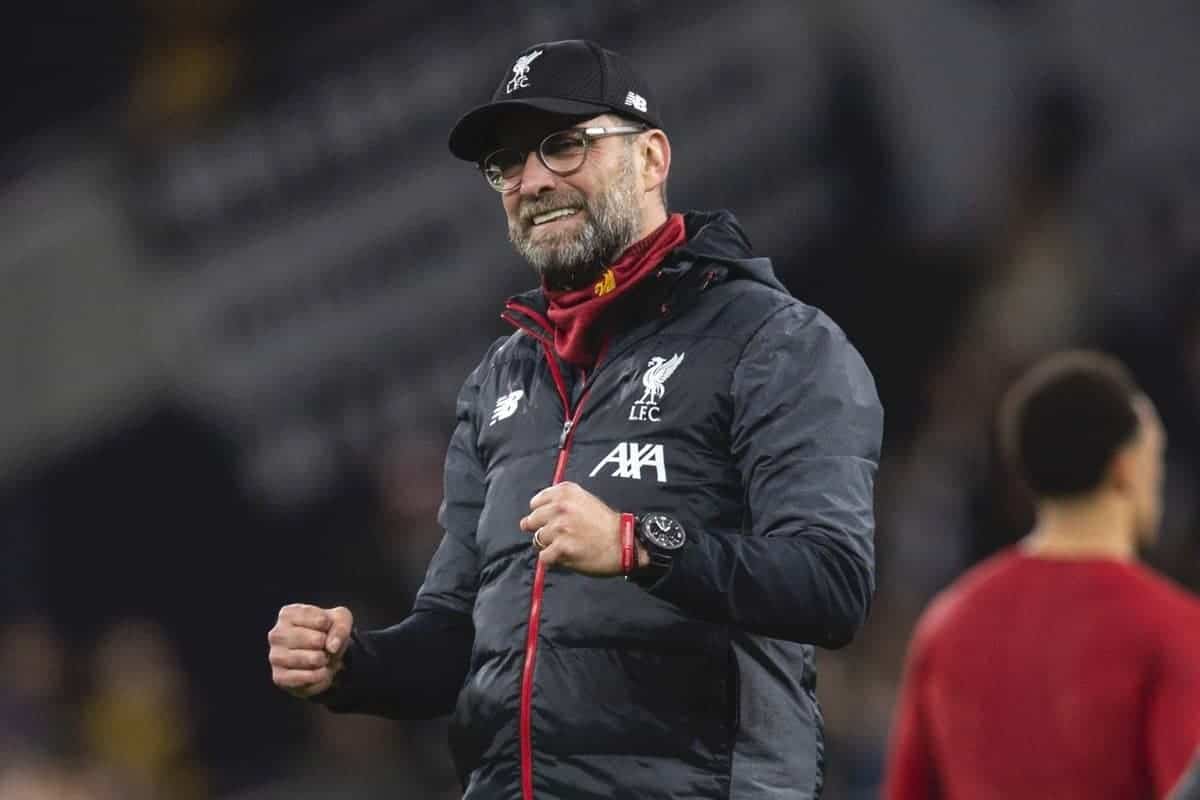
(474, 135)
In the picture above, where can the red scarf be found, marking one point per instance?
(575, 312)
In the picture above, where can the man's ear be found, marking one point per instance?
(656, 159)
(1122, 470)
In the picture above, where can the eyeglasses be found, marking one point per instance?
(563, 153)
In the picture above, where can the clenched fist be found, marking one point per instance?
(307, 644)
(575, 530)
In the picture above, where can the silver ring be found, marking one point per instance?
(537, 540)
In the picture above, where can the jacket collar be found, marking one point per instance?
(683, 274)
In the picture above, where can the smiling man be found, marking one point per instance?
(569, 222)
(658, 497)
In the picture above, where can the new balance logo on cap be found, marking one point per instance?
(635, 100)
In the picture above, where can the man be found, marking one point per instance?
(658, 496)
(1060, 668)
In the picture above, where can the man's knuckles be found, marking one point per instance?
(304, 681)
(298, 611)
(290, 609)
(298, 659)
(305, 616)
(297, 637)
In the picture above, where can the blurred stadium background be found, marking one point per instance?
(242, 280)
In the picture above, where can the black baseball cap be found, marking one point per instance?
(573, 77)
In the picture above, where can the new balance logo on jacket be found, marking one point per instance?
(506, 405)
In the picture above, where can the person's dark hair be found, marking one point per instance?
(1065, 419)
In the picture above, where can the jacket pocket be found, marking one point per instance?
(483, 727)
(634, 701)
(464, 745)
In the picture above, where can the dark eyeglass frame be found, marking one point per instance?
(590, 135)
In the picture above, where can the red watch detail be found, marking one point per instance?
(628, 545)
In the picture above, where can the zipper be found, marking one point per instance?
(535, 609)
(525, 730)
(565, 438)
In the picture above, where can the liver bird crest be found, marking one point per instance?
(659, 369)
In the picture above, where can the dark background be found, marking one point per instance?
(243, 279)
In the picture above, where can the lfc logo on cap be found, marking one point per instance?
(520, 78)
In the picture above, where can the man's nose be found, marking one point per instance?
(536, 179)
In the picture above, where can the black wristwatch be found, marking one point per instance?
(662, 536)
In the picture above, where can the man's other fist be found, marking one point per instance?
(306, 647)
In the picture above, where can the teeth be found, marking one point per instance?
(552, 215)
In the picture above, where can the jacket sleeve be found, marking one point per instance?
(415, 669)
(805, 436)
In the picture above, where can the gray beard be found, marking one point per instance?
(611, 224)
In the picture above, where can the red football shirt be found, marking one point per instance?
(1035, 677)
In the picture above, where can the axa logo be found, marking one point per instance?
(506, 406)
(628, 459)
(607, 282)
(654, 381)
(520, 78)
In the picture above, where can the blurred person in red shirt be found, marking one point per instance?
(1060, 668)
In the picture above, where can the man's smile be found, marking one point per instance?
(551, 216)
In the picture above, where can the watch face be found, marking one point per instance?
(663, 531)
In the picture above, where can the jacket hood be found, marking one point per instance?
(716, 236)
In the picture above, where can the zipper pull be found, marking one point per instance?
(566, 431)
